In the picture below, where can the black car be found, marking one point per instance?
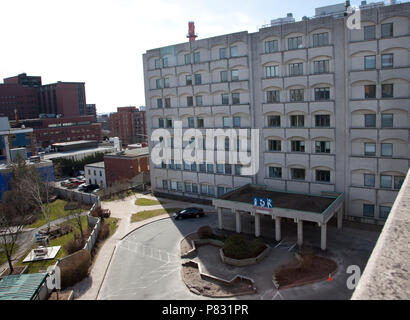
(189, 213)
(88, 188)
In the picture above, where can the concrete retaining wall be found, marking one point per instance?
(244, 262)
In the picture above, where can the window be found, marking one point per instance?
(166, 82)
(238, 170)
(191, 122)
(159, 103)
(157, 63)
(236, 122)
(234, 75)
(187, 58)
(222, 53)
(273, 96)
(197, 57)
(226, 122)
(384, 212)
(368, 210)
(226, 144)
(323, 175)
(272, 71)
(296, 69)
(322, 146)
(200, 122)
(320, 39)
(369, 149)
(169, 123)
(387, 90)
(167, 102)
(275, 172)
(387, 30)
(369, 32)
(158, 83)
(297, 95)
(271, 46)
(198, 100)
(198, 79)
(204, 189)
(369, 180)
(234, 51)
(297, 174)
(224, 76)
(164, 184)
(190, 101)
(228, 168)
(193, 168)
(165, 62)
(221, 191)
(370, 62)
(294, 43)
(298, 146)
(398, 181)
(178, 167)
(273, 121)
(321, 66)
(275, 145)
(188, 80)
(322, 120)
(225, 98)
(370, 91)
(210, 168)
(188, 187)
(171, 165)
(220, 168)
(297, 121)
(202, 167)
(387, 150)
(387, 60)
(211, 191)
(194, 188)
(387, 120)
(235, 98)
(386, 181)
(160, 123)
(322, 94)
(370, 120)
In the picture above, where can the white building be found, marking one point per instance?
(95, 174)
(332, 106)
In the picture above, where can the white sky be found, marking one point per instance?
(101, 42)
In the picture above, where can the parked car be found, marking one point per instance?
(189, 213)
(88, 188)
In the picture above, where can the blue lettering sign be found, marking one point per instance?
(262, 202)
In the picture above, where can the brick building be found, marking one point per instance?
(125, 165)
(128, 123)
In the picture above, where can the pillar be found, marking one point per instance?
(277, 229)
(219, 218)
(300, 232)
(238, 222)
(340, 218)
(257, 224)
(323, 236)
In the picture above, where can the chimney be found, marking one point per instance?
(16, 116)
(191, 31)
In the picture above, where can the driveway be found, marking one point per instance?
(147, 264)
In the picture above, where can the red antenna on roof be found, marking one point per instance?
(191, 31)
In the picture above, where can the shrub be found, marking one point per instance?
(74, 268)
(205, 232)
(97, 212)
(72, 205)
(104, 232)
(77, 243)
(237, 247)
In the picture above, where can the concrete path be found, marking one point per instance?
(89, 288)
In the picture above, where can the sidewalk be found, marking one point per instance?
(89, 288)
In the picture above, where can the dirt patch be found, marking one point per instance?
(291, 275)
(214, 288)
(186, 243)
(63, 295)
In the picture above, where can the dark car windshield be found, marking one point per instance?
(183, 211)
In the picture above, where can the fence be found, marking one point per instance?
(89, 244)
(74, 195)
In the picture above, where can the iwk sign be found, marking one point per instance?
(260, 202)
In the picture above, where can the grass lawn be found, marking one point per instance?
(146, 202)
(34, 267)
(57, 211)
(3, 258)
(113, 222)
(139, 216)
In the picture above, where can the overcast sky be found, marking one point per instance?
(101, 42)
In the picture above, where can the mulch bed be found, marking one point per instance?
(214, 288)
(291, 276)
(186, 243)
(63, 295)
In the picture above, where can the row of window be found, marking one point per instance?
(386, 61)
(296, 69)
(386, 31)
(299, 146)
(194, 188)
(227, 121)
(235, 99)
(319, 39)
(370, 91)
(204, 167)
(368, 211)
(386, 181)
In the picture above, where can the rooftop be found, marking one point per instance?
(22, 286)
(130, 153)
(96, 164)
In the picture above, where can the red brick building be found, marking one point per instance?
(123, 166)
(51, 130)
(128, 123)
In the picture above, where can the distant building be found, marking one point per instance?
(95, 174)
(128, 123)
(91, 110)
(125, 165)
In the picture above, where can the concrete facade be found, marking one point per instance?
(330, 133)
(95, 174)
